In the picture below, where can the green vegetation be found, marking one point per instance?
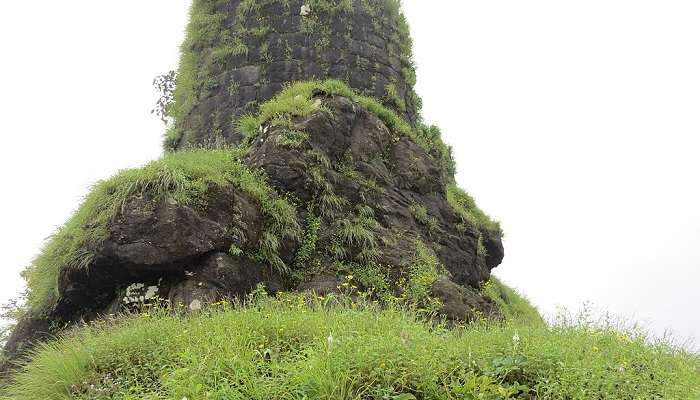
(308, 245)
(420, 213)
(422, 273)
(409, 286)
(297, 347)
(357, 232)
(203, 31)
(292, 139)
(296, 100)
(513, 306)
(465, 206)
(183, 177)
(213, 38)
(392, 96)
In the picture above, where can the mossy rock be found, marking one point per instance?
(326, 182)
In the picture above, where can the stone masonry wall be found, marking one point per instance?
(238, 54)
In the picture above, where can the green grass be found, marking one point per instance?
(313, 348)
(465, 206)
(295, 101)
(184, 177)
(513, 306)
(420, 213)
(357, 232)
(422, 273)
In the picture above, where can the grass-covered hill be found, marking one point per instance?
(298, 168)
(311, 347)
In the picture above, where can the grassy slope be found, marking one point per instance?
(513, 306)
(303, 348)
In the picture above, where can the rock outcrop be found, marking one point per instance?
(331, 186)
(369, 203)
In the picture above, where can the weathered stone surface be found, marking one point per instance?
(149, 233)
(322, 284)
(180, 252)
(27, 332)
(460, 303)
(153, 243)
(362, 48)
(390, 176)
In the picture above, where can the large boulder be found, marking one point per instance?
(372, 204)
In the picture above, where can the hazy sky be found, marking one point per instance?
(575, 123)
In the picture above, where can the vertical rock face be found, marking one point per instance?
(238, 54)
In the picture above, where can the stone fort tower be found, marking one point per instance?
(328, 183)
(238, 54)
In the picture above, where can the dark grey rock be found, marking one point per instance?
(179, 252)
(460, 303)
(322, 284)
(294, 55)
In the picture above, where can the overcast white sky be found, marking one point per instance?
(575, 123)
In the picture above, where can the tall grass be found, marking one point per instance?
(298, 347)
(512, 305)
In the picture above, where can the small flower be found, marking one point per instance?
(330, 340)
